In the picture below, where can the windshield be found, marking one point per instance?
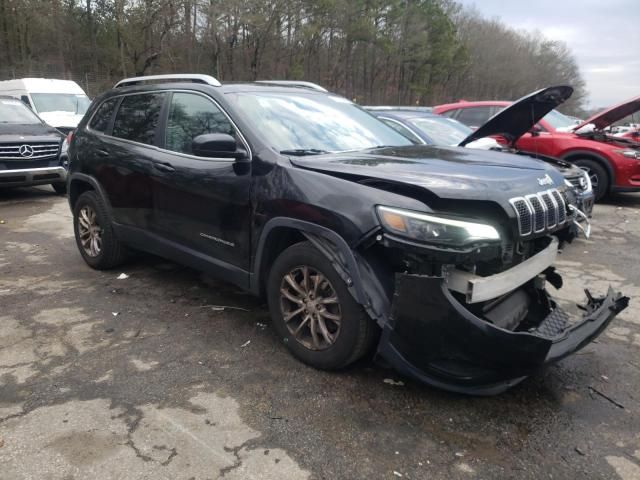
(306, 124)
(441, 130)
(16, 112)
(60, 102)
(558, 120)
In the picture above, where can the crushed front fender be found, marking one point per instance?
(434, 338)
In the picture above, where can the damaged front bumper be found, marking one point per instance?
(434, 337)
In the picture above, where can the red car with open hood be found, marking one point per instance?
(613, 162)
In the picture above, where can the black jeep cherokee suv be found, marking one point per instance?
(436, 256)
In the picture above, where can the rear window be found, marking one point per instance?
(102, 118)
(474, 116)
(138, 116)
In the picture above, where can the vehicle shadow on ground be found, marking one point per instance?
(217, 296)
(26, 193)
(622, 200)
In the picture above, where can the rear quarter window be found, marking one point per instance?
(138, 116)
(102, 118)
(474, 116)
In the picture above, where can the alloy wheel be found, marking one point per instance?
(89, 231)
(310, 308)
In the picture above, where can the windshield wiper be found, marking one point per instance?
(382, 146)
(300, 152)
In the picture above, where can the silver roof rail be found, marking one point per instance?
(175, 77)
(295, 83)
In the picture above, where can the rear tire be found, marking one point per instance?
(325, 297)
(60, 188)
(95, 237)
(598, 175)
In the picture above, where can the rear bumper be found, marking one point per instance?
(32, 176)
(435, 339)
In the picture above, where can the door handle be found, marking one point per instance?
(165, 167)
(102, 153)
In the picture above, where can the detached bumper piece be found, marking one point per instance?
(434, 338)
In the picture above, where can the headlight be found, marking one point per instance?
(65, 146)
(629, 153)
(433, 229)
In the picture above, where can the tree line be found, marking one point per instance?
(399, 52)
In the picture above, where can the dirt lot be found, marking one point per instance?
(142, 378)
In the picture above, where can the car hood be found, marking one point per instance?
(611, 115)
(448, 172)
(61, 119)
(518, 118)
(10, 132)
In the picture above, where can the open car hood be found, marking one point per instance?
(518, 118)
(611, 115)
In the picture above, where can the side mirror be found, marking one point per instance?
(217, 145)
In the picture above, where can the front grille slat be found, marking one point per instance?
(540, 211)
(552, 209)
(562, 206)
(33, 157)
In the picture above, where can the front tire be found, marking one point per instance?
(313, 312)
(598, 175)
(96, 240)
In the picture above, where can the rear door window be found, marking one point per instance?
(138, 116)
(191, 115)
(102, 118)
(474, 116)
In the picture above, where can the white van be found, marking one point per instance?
(60, 103)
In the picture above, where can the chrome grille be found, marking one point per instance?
(11, 151)
(539, 211)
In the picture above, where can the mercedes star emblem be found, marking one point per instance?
(25, 150)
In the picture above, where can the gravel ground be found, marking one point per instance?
(144, 377)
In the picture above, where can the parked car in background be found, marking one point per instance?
(426, 128)
(60, 103)
(358, 238)
(612, 162)
(432, 129)
(29, 149)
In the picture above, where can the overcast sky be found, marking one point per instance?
(604, 36)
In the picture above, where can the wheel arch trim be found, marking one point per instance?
(325, 240)
(88, 179)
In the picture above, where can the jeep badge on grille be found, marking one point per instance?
(546, 180)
